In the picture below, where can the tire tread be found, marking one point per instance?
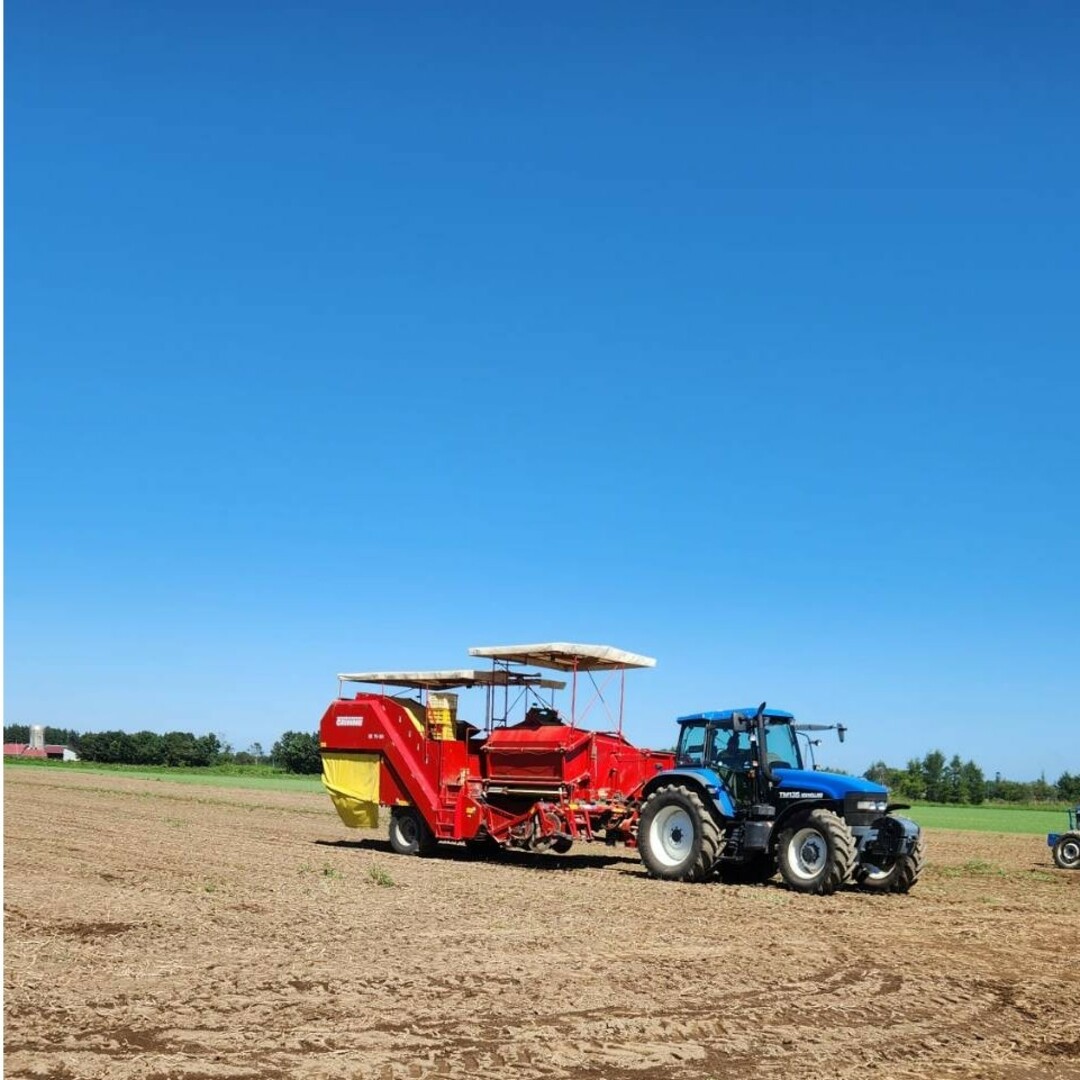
(709, 849)
(1059, 860)
(841, 869)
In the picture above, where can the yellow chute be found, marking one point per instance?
(353, 783)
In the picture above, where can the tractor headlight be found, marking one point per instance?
(871, 804)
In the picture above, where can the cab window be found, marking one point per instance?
(691, 749)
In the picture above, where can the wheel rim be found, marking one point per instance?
(807, 853)
(1070, 850)
(877, 874)
(671, 835)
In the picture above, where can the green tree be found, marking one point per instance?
(107, 747)
(910, 783)
(1041, 791)
(933, 775)
(880, 773)
(174, 748)
(297, 752)
(146, 748)
(1068, 787)
(973, 783)
(953, 781)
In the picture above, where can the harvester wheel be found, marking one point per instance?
(677, 836)
(899, 877)
(1067, 851)
(816, 853)
(409, 833)
(561, 845)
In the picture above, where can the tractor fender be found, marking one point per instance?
(706, 782)
(784, 814)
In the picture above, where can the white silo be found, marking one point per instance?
(37, 737)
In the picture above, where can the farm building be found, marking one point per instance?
(38, 748)
(49, 750)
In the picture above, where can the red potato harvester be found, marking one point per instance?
(540, 783)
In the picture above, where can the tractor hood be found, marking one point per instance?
(829, 785)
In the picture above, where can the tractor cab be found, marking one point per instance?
(724, 739)
(725, 742)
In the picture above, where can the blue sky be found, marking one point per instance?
(348, 336)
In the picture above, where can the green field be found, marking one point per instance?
(1028, 820)
(261, 777)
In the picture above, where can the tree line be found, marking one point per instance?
(934, 778)
(296, 752)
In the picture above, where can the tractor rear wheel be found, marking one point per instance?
(898, 878)
(409, 833)
(1067, 851)
(678, 838)
(816, 853)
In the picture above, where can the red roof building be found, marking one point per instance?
(50, 750)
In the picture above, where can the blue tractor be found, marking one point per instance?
(1066, 845)
(739, 804)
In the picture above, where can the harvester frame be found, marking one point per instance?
(540, 783)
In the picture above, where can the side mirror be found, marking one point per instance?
(841, 730)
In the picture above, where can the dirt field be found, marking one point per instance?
(155, 930)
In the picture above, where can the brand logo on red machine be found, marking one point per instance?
(349, 721)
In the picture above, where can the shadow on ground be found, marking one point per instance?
(529, 860)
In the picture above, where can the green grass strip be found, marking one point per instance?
(1025, 821)
(260, 777)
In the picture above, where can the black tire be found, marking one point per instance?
(816, 853)
(409, 833)
(561, 845)
(756, 870)
(677, 836)
(898, 878)
(1067, 851)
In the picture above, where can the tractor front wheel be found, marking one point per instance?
(1067, 851)
(898, 878)
(816, 853)
(409, 833)
(677, 836)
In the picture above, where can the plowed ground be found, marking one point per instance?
(155, 930)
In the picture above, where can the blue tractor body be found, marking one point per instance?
(831, 785)
(740, 803)
(1066, 845)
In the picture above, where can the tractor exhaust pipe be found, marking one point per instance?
(762, 744)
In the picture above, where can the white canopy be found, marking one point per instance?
(447, 680)
(565, 656)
